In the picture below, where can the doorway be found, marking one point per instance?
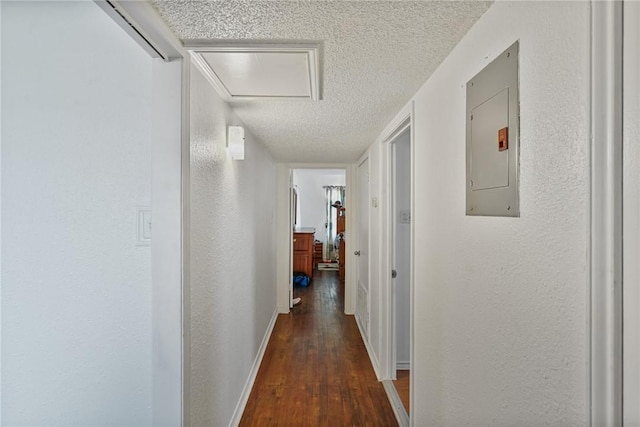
(397, 270)
(317, 226)
(362, 252)
(400, 236)
(401, 261)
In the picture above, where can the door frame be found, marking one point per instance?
(605, 282)
(284, 233)
(403, 121)
(631, 215)
(364, 325)
(392, 241)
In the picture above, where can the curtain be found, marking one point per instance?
(334, 193)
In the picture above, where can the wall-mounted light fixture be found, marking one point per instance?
(235, 142)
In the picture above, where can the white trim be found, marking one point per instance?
(406, 124)
(403, 366)
(605, 395)
(143, 23)
(186, 243)
(631, 216)
(312, 49)
(372, 356)
(290, 227)
(402, 121)
(246, 391)
(396, 403)
(284, 226)
(1, 382)
(283, 238)
(366, 157)
(412, 377)
(351, 286)
(122, 18)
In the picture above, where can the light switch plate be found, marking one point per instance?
(143, 215)
(493, 119)
(405, 217)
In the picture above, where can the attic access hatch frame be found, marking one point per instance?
(310, 51)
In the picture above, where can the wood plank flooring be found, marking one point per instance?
(316, 371)
(402, 387)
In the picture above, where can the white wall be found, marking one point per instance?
(233, 253)
(402, 265)
(631, 214)
(76, 147)
(166, 250)
(501, 303)
(1, 382)
(312, 197)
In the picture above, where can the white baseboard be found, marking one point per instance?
(372, 355)
(398, 408)
(246, 391)
(403, 366)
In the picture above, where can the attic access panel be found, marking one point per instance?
(260, 71)
(493, 134)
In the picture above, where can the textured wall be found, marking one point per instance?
(233, 288)
(501, 303)
(375, 55)
(76, 289)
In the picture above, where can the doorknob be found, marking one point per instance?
(357, 253)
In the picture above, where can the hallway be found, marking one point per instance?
(316, 371)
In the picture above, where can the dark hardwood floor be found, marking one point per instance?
(402, 387)
(316, 371)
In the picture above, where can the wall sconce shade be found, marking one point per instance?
(235, 142)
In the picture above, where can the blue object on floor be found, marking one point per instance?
(301, 279)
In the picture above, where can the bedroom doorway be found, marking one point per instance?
(401, 263)
(318, 223)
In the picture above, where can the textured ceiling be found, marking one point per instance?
(375, 56)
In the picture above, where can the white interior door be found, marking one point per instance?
(362, 246)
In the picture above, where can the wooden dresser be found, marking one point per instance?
(318, 255)
(303, 251)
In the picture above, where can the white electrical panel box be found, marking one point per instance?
(493, 134)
